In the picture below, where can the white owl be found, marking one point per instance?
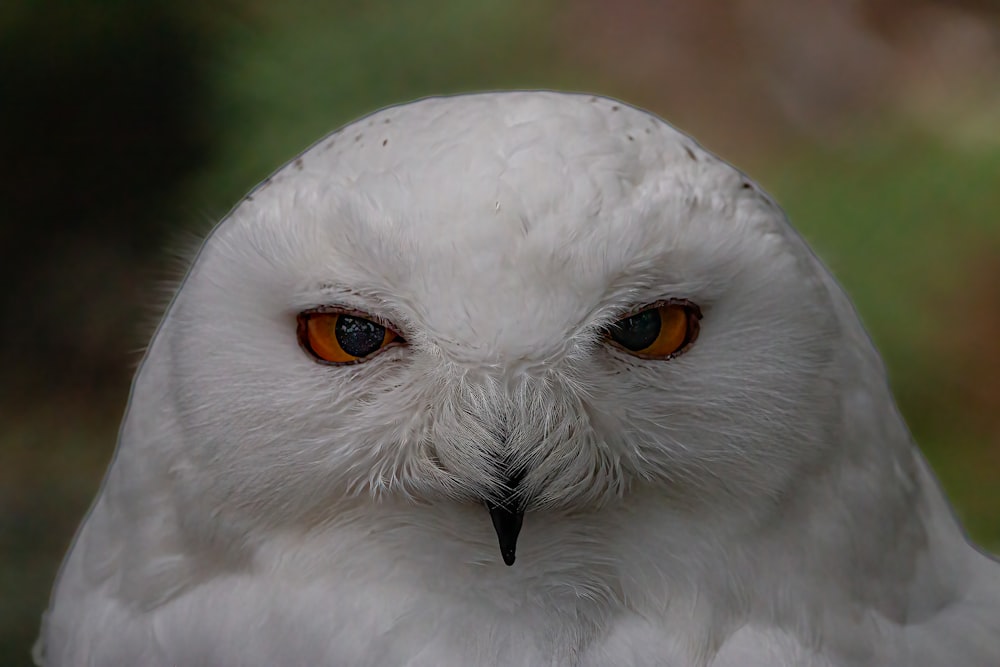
(543, 319)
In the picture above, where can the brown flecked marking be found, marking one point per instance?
(687, 149)
(298, 163)
(615, 107)
(630, 137)
(358, 138)
(386, 121)
(747, 186)
(385, 141)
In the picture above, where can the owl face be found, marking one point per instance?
(532, 301)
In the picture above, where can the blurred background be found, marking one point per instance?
(128, 128)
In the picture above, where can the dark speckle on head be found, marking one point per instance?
(687, 149)
(358, 138)
(298, 163)
(630, 137)
(615, 107)
(386, 121)
(385, 141)
(747, 186)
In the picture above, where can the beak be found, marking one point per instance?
(508, 525)
(508, 517)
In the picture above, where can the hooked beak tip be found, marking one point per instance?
(507, 523)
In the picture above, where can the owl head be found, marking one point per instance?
(528, 301)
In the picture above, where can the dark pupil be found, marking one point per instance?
(639, 331)
(358, 336)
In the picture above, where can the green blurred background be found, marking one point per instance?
(129, 127)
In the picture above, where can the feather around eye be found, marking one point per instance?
(340, 338)
(661, 331)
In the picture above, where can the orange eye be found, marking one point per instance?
(659, 332)
(342, 338)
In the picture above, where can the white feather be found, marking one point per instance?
(756, 501)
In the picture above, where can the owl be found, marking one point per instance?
(517, 378)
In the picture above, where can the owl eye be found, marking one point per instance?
(661, 331)
(342, 338)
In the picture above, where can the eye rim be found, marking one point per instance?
(693, 328)
(302, 333)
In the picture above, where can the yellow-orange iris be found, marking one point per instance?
(341, 338)
(658, 332)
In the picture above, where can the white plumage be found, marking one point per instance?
(754, 500)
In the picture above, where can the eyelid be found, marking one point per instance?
(687, 303)
(352, 312)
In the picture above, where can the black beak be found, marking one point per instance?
(507, 525)
(506, 520)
